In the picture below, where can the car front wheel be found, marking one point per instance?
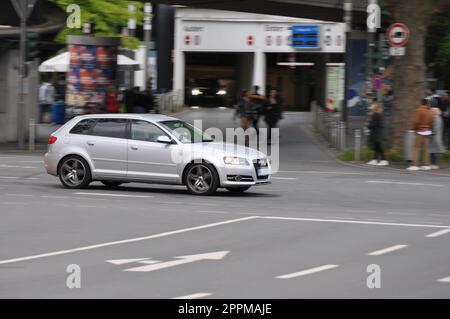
(202, 179)
(74, 172)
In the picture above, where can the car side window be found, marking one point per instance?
(116, 128)
(145, 131)
(83, 127)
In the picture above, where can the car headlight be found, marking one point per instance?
(196, 92)
(221, 92)
(233, 160)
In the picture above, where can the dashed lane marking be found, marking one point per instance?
(195, 296)
(438, 233)
(387, 250)
(307, 272)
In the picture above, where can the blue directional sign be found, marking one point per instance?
(306, 36)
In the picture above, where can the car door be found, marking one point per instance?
(106, 145)
(149, 160)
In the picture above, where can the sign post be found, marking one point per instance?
(23, 9)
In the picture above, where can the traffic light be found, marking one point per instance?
(32, 41)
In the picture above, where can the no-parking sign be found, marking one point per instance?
(398, 34)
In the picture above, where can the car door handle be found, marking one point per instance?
(134, 148)
(90, 143)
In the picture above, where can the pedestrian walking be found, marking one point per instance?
(112, 102)
(258, 102)
(46, 100)
(422, 126)
(245, 108)
(436, 143)
(272, 112)
(376, 134)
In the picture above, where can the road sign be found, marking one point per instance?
(153, 265)
(397, 51)
(20, 5)
(398, 34)
(306, 36)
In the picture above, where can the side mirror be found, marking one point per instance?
(164, 139)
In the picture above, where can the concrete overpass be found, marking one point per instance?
(327, 10)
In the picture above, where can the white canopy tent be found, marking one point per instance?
(60, 63)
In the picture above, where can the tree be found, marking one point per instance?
(438, 47)
(108, 17)
(410, 70)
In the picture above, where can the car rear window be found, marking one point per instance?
(83, 127)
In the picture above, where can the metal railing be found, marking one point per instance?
(170, 102)
(329, 126)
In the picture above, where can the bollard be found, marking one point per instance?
(32, 135)
(343, 135)
(357, 145)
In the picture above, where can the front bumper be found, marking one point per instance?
(238, 175)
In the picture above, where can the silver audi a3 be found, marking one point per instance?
(149, 148)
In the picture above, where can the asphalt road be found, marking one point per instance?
(312, 233)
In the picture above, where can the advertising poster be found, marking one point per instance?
(92, 70)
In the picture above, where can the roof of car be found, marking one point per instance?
(148, 117)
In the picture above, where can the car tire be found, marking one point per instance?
(239, 189)
(201, 179)
(74, 172)
(111, 183)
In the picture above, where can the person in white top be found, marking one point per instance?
(46, 99)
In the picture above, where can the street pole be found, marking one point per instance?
(147, 40)
(132, 20)
(372, 25)
(21, 88)
(348, 6)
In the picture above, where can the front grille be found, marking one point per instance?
(257, 165)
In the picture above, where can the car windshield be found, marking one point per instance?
(186, 133)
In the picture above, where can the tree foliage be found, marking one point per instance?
(108, 16)
(438, 46)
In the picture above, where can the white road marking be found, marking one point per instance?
(438, 233)
(126, 241)
(285, 178)
(307, 272)
(447, 279)
(195, 296)
(125, 261)
(351, 222)
(112, 195)
(344, 218)
(181, 260)
(386, 250)
(404, 183)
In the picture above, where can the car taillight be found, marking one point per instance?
(52, 139)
